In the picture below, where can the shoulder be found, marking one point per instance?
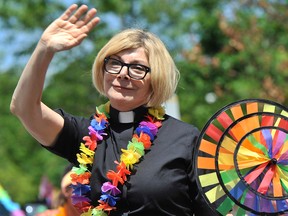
(178, 125)
(177, 139)
(178, 133)
(65, 114)
(74, 121)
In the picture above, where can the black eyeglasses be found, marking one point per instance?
(135, 71)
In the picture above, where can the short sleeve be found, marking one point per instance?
(68, 141)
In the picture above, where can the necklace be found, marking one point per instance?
(141, 141)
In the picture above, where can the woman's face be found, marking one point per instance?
(123, 92)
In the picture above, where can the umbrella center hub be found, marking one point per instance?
(274, 161)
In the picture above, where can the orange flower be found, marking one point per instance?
(104, 206)
(100, 117)
(122, 171)
(145, 139)
(90, 143)
(114, 177)
(82, 178)
(83, 206)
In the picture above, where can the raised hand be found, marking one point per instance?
(70, 28)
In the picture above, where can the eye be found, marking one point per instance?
(138, 67)
(115, 62)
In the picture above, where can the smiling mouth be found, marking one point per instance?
(121, 88)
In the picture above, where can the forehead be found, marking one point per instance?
(133, 53)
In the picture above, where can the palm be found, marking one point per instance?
(69, 30)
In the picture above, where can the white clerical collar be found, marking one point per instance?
(126, 117)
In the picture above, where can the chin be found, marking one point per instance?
(121, 104)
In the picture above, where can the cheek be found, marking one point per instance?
(107, 83)
(147, 88)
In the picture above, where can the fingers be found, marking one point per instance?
(78, 14)
(91, 24)
(68, 12)
(79, 18)
(82, 19)
(89, 16)
(90, 21)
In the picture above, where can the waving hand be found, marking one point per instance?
(70, 28)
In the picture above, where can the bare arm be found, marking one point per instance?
(64, 33)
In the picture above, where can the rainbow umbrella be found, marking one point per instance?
(242, 159)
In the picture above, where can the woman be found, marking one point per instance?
(129, 157)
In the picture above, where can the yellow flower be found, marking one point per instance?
(157, 112)
(84, 159)
(129, 157)
(86, 150)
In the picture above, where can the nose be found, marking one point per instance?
(124, 73)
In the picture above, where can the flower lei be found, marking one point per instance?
(80, 177)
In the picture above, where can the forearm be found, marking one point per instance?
(42, 122)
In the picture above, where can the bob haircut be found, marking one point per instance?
(164, 74)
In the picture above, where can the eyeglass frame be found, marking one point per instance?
(147, 69)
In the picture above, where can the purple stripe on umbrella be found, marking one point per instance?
(279, 142)
(268, 139)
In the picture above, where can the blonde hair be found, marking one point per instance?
(164, 74)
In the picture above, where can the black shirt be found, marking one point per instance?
(162, 183)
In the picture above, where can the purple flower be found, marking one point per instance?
(98, 134)
(107, 187)
(153, 128)
(78, 199)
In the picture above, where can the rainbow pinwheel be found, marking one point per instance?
(242, 159)
(7, 206)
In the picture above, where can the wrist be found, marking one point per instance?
(45, 49)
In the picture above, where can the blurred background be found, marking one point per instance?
(226, 50)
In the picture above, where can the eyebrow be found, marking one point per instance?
(133, 62)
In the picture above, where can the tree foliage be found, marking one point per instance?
(226, 50)
(250, 63)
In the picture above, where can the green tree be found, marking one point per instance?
(23, 161)
(250, 60)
